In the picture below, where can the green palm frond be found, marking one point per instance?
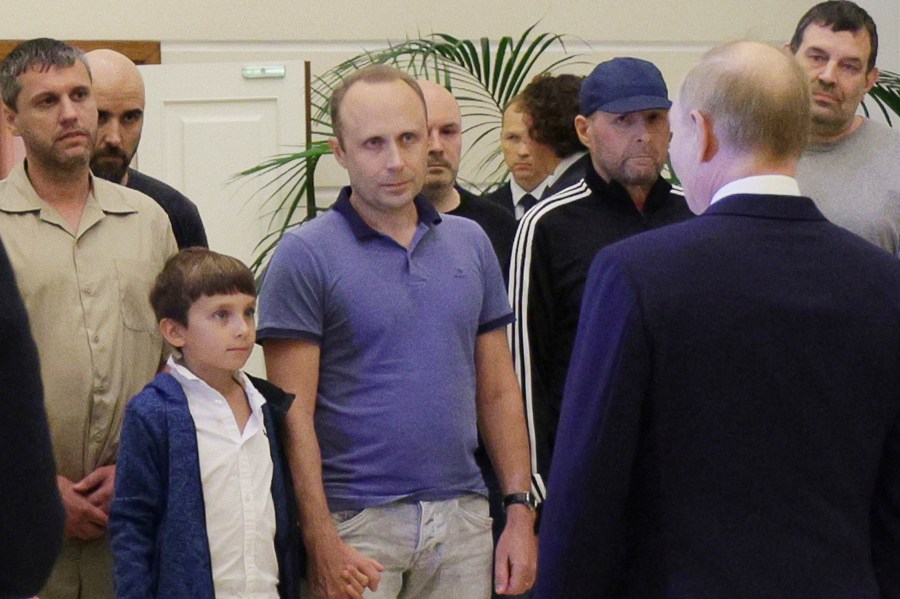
(886, 96)
(288, 181)
(482, 75)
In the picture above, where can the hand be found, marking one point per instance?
(84, 520)
(338, 571)
(98, 486)
(515, 560)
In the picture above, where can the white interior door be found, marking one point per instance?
(205, 122)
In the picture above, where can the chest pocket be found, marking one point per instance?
(135, 279)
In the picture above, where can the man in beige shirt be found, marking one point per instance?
(85, 253)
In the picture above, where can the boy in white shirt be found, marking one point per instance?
(204, 506)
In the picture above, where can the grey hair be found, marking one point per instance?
(40, 55)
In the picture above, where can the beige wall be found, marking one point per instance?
(669, 32)
(351, 20)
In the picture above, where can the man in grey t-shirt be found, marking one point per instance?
(850, 167)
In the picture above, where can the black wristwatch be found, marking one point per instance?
(527, 499)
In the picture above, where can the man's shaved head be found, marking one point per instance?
(444, 140)
(119, 91)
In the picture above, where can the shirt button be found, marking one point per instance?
(88, 289)
(98, 437)
(96, 338)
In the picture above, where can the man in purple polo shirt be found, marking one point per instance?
(387, 320)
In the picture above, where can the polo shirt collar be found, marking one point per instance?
(428, 215)
(26, 199)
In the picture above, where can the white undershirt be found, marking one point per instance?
(779, 185)
(236, 474)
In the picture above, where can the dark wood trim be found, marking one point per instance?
(141, 52)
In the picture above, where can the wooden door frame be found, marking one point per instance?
(140, 52)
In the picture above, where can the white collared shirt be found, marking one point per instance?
(562, 166)
(518, 193)
(779, 185)
(236, 475)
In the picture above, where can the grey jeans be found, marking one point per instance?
(429, 549)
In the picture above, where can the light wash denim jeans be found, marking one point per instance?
(429, 549)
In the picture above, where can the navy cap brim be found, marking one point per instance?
(635, 104)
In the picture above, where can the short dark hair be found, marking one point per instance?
(193, 273)
(839, 15)
(551, 103)
(375, 73)
(38, 54)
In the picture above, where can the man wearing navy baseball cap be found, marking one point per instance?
(623, 122)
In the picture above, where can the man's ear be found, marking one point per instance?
(707, 143)
(337, 150)
(173, 332)
(581, 125)
(786, 48)
(872, 78)
(9, 115)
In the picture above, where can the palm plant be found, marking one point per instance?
(483, 76)
(886, 96)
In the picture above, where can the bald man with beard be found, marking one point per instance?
(119, 90)
(441, 188)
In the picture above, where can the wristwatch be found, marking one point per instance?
(527, 499)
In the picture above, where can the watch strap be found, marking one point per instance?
(527, 499)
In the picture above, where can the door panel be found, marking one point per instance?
(203, 124)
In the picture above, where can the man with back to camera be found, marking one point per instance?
(850, 166)
(441, 188)
(530, 163)
(31, 513)
(119, 91)
(623, 105)
(731, 425)
(387, 321)
(85, 253)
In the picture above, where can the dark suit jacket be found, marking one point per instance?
(31, 513)
(502, 196)
(731, 421)
(183, 213)
(499, 225)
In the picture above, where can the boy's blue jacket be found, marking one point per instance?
(157, 522)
